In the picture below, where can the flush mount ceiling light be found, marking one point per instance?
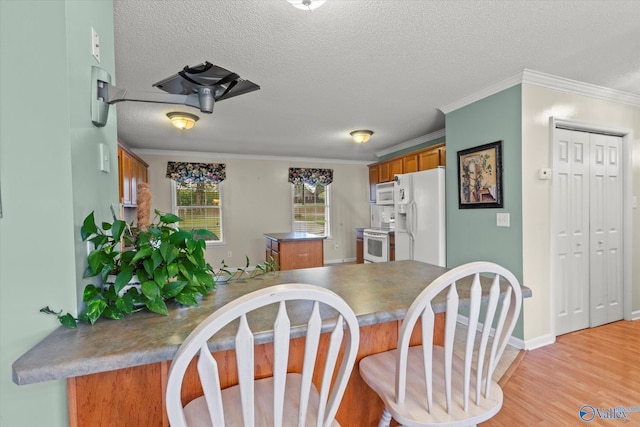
(361, 136)
(183, 120)
(306, 4)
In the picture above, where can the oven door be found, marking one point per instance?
(376, 246)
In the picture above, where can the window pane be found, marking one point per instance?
(310, 209)
(199, 206)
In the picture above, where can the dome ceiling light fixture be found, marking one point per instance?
(361, 136)
(183, 121)
(309, 5)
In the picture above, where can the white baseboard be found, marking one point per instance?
(635, 315)
(339, 261)
(538, 342)
(513, 341)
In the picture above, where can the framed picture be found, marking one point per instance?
(480, 177)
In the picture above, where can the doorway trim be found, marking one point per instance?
(627, 181)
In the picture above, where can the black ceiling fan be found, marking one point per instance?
(199, 87)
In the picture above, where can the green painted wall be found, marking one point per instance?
(472, 234)
(49, 180)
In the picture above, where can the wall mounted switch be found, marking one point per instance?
(95, 45)
(544, 173)
(105, 163)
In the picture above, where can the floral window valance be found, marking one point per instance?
(310, 176)
(196, 172)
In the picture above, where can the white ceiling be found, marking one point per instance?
(384, 65)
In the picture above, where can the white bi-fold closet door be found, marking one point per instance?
(588, 240)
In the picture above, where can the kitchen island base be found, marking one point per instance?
(136, 396)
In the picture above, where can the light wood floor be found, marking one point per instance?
(598, 367)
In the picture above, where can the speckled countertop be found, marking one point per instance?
(290, 237)
(377, 293)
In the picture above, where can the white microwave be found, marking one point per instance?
(384, 193)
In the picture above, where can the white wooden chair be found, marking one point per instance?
(442, 388)
(285, 399)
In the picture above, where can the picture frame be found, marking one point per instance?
(480, 177)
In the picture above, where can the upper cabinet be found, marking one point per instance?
(421, 160)
(131, 171)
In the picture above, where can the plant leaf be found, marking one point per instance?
(122, 279)
(95, 307)
(112, 312)
(117, 228)
(88, 227)
(125, 304)
(169, 218)
(90, 291)
(142, 253)
(150, 289)
(172, 289)
(157, 305)
(186, 298)
(68, 321)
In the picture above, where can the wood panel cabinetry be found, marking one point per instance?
(131, 171)
(292, 251)
(359, 246)
(416, 161)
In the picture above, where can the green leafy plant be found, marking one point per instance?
(225, 275)
(168, 261)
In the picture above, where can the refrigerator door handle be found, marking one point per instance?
(414, 219)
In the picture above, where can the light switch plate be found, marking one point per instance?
(95, 45)
(105, 163)
(503, 220)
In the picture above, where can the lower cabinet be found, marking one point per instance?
(294, 254)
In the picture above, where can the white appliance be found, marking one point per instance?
(420, 225)
(384, 193)
(376, 245)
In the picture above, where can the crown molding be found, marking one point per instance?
(548, 81)
(412, 142)
(483, 93)
(203, 154)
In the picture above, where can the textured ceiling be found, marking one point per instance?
(384, 65)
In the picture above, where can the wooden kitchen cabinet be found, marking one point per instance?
(431, 159)
(131, 171)
(294, 250)
(373, 180)
(387, 170)
(410, 163)
(359, 246)
(420, 160)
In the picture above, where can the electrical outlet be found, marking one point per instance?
(95, 45)
(228, 254)
(503, 220)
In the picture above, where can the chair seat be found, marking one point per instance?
(196, 412)
(379, 372)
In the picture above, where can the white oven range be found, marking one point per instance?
(376, 245)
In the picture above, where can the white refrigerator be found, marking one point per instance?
(420, 218)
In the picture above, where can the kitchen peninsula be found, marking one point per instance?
(117, 370)
(294, 250)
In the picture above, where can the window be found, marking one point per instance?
(200, 206)
(311, 209)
